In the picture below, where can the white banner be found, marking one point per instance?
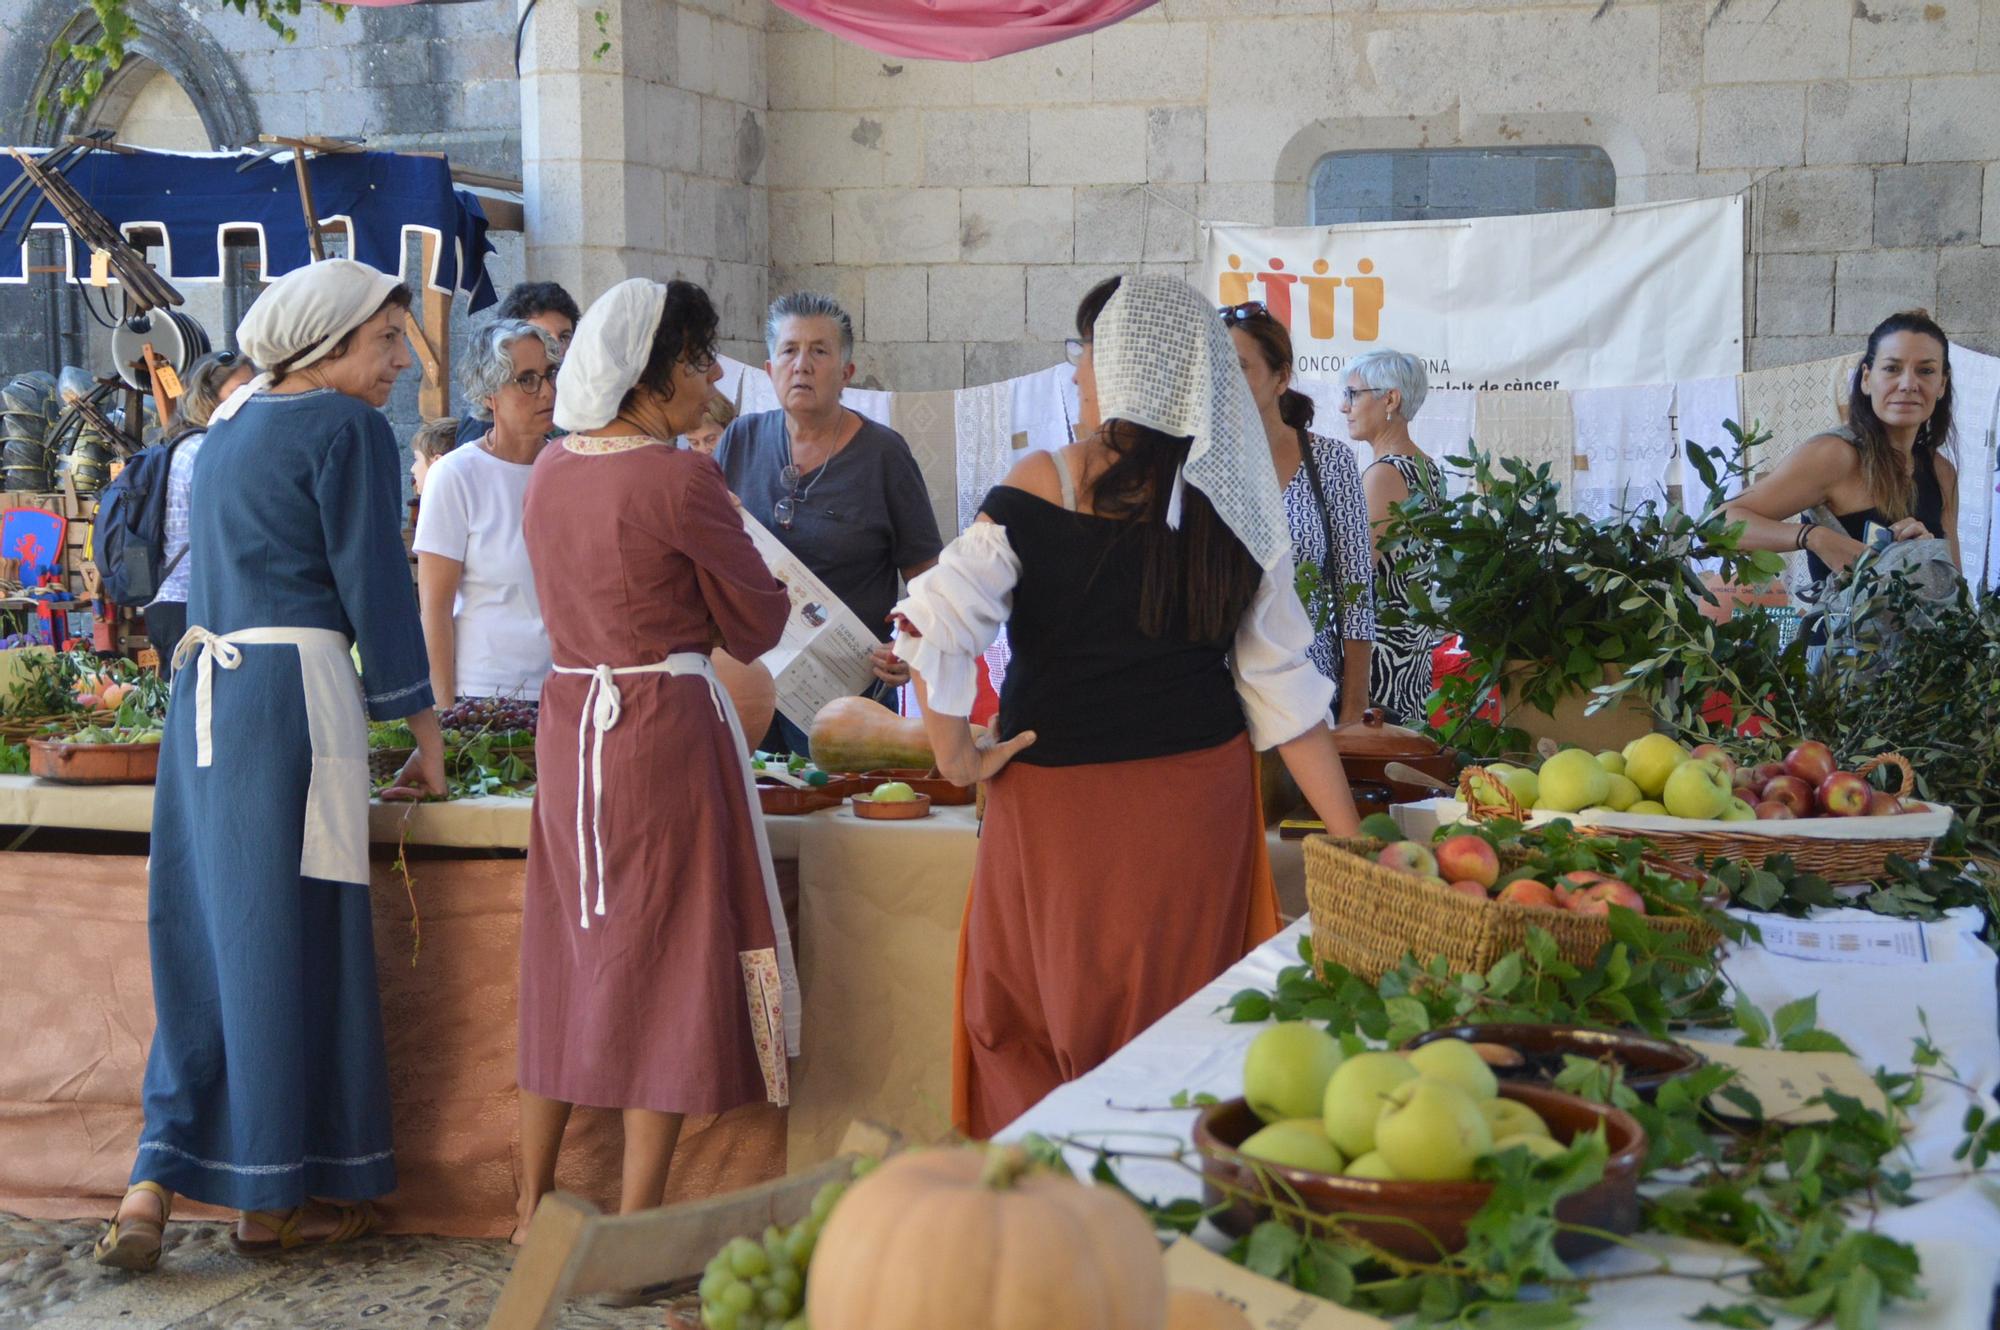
(1651, 293)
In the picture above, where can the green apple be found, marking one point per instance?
(1612, 762)
(1650, 760)
(1287, 1068)
(1372, 1165)
(1432, 1131)
(1511, 1117)
(1520, 782)
(1295, 1143)
(1697, 790)
(1624, 793)
(893, 792)
(1541, 1147)
(1738, 811)
(1572, 780)
(1456, 1061)
(1355, 1096)
(1649, 808)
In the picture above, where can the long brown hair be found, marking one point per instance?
(1274, 343)
(1893, 490)
(1203, 571)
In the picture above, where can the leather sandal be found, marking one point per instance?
(134, 1244)
(355, 1221)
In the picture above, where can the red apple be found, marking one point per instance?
(1883, 804)
(1468, 858)
(1715, 753)
(1766, 772)
(1582, 877)
(1812, 762)
(1466, 887)
(1844, 794)
(1790, 791)
(1587, 905)
(1613, 892)
(1773, 811)
(1410, 857)
(1528, 893)
(1744, 781)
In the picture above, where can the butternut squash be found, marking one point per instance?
(856, 734)
(751, 691)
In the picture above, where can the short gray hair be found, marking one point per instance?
(808, 305)
(1394, 369)
(489, 361)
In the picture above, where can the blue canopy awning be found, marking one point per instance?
(198, 199)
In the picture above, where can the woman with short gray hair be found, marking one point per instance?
(482, 623)
(1385, 390)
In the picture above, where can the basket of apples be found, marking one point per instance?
(1473, 895)
(1702, 804)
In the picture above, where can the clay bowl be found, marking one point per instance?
(925, 782)
(907, 810)
(781, 800)
(1440, 1210)
(1649, 1063)
(93, 764)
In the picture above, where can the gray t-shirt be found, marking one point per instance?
(859, 519)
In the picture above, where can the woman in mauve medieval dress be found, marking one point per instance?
(656, 972)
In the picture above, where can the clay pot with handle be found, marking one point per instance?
(1367, 747)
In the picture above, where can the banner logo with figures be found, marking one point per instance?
(1651, 293)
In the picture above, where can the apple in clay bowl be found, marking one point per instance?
(892, 801)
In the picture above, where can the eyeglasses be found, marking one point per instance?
(1347, 395)
(1244, 313)
(531, 381)
(1073, 348)
(786, 509)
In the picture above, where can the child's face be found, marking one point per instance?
(419, 467)
(704, 439)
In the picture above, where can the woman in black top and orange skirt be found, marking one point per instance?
(1145, 578)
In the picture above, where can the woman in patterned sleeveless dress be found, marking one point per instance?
(1385, 390)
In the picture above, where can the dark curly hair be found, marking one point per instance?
(1197, 581)
(686, 332)
(528, 299)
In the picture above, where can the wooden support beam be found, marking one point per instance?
(433, 339)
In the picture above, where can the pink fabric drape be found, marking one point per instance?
(959, 29)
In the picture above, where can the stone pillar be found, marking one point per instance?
(642, 150)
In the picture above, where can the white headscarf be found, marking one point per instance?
(607, 354)
(1163, 359)
(302, 316)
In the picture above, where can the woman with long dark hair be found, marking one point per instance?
(1889, 465)
(1145, 578)
(1324, 506)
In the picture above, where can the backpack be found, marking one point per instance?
(129, 540)
(1887, 594)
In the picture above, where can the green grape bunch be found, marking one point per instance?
(754, 1284)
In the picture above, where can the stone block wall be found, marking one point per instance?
(960, 210)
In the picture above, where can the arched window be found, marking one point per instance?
(1425, 184)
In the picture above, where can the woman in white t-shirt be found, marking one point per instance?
(482, 623)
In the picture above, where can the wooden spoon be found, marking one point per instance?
(1411, 776)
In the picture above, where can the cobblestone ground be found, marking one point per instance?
(47, 1280)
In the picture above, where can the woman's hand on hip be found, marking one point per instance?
(985, 760)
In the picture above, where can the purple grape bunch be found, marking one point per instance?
(491, 715)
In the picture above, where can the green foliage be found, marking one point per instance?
(105, 53)
(13, 759)
(1524, 580)
(1952, 877)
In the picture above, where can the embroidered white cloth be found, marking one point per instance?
(1163, 360)
(1534, 427)
(1976, 410)
(1624, 446)
(984, 417)
(959, 607)
(1701, 406)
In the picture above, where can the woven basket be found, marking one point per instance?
(1366, 915)
(384, 763)
(1835, 860)
(20, 729)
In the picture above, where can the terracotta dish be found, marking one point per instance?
(1649, 1063)
(93, 764)
(926, 782)
(905, 810)
(1440, 1209)
(1370, 744)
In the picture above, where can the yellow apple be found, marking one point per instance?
(1294, 1144)
(1572, 780)
(1372, 1165)
(1624, 793)
(1697, 790)
(1456, 1061)
(1650, 759)
(1541, 1147)
(1287, 1068)
(1511, 1117)
(1432, 1131)
(1355, 1097)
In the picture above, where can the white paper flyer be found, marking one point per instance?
(825, 651)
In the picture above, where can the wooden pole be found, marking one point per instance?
(432, 338)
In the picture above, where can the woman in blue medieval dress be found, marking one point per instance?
(266, 1089)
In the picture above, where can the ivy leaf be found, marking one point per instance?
(1505, 975)
(1756, 1030)
(1740, 1316)
(1800, 1014)
(1816, 1041)
(1858, 1304)
(1249, 1007)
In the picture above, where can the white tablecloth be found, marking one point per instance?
(1956, 1228)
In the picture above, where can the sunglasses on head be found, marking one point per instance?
(1246, 312)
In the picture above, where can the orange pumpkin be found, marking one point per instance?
(752, 691)
(1189, 1310)
(976, 1240)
